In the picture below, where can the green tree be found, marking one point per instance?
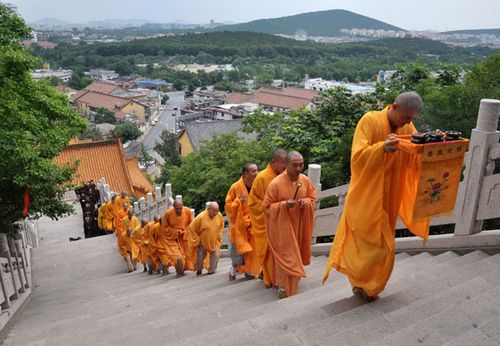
(208, 174)
(104, 115)
(169, 148)
(79, 81)
(91, 132)
(144, 158)
(37, 124)
(127, 131)
(164, 99)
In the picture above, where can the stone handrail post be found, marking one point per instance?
(484, 137)
(157, 198)
(150, 204)
(314, 174)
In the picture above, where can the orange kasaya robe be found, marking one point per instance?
(260, 243)
(382, 186)
(127, 223)
(207, 232)
(149, 244)
(110, 216)
(238, 214)
(137, 248)
(289, 229)
(171, 237)
(118, 224)
(118, 205)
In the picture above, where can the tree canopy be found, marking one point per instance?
(37, 124)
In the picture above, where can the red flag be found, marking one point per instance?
(26, 201)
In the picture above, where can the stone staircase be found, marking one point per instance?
(82, 296)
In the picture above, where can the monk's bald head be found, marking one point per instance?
(278, 161)
(250, 171)
(410, 100)
(178, 206)
(406, 108)
(144, 221)
(213, 209)
(130, 212)
(157, 218)
(294, 164)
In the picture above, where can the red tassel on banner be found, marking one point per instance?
(26, 201)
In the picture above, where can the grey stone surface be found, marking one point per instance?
(82, 296)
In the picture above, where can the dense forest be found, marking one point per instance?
(258, 56)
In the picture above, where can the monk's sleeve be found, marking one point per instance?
(233, 204)
(364, 205)
(221, 228)
(193, 236)
(366, 155)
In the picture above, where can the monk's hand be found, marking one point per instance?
(243, 197)
(291, 203)
(391, 143)
(302, 203)
(129, 231)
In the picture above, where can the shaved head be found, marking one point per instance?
(157, 217)
(292, 154)
(410, 100)
(178, 206)
(144, 221)
(213, 209)
(277, 154)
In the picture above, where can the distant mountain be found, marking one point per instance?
(475, 32)
(49, 21)
(323, 23)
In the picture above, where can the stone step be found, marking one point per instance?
(300, 305)
(397, 301)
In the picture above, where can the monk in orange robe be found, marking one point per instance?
(263, 262)
(206, 233)
(149, 244)
(174, 224)
(118, 204)
(118, 222)
(240, 231)
(289, 208)
(109, 224)
(138, 250)
(128, 224)
(382, 179)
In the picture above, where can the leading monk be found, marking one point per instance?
(289, 208)
(382, 184)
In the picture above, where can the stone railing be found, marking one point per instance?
(15, 269)
(478, 197)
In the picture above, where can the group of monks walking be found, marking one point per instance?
(271, 216)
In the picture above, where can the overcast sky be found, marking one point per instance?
(408, 14)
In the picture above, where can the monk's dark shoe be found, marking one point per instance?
(261, 275)
(360, 292)
(268, 286)
(198, 272)
(145, 270)
(249, 276)
(210, 273)
(282, 294)
(231, 277)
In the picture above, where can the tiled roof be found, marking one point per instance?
(141, 185)
(99, 159)
(77, 95)
(104, 88)
(289, 98)
(99, 100)
(197, 132)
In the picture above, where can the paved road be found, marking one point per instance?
(165, 121)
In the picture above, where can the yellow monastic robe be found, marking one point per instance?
(149, 243)
(207, 232)
(101, 217)
(290, 229)
(260, 243)
(171, 237)
(118, 205)
(118, 224)
(137, 246)
(380, 189)
(110, 216)
(240, 226)
(127, 223)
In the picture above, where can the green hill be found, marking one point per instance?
(323, 23)
(475, 32)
